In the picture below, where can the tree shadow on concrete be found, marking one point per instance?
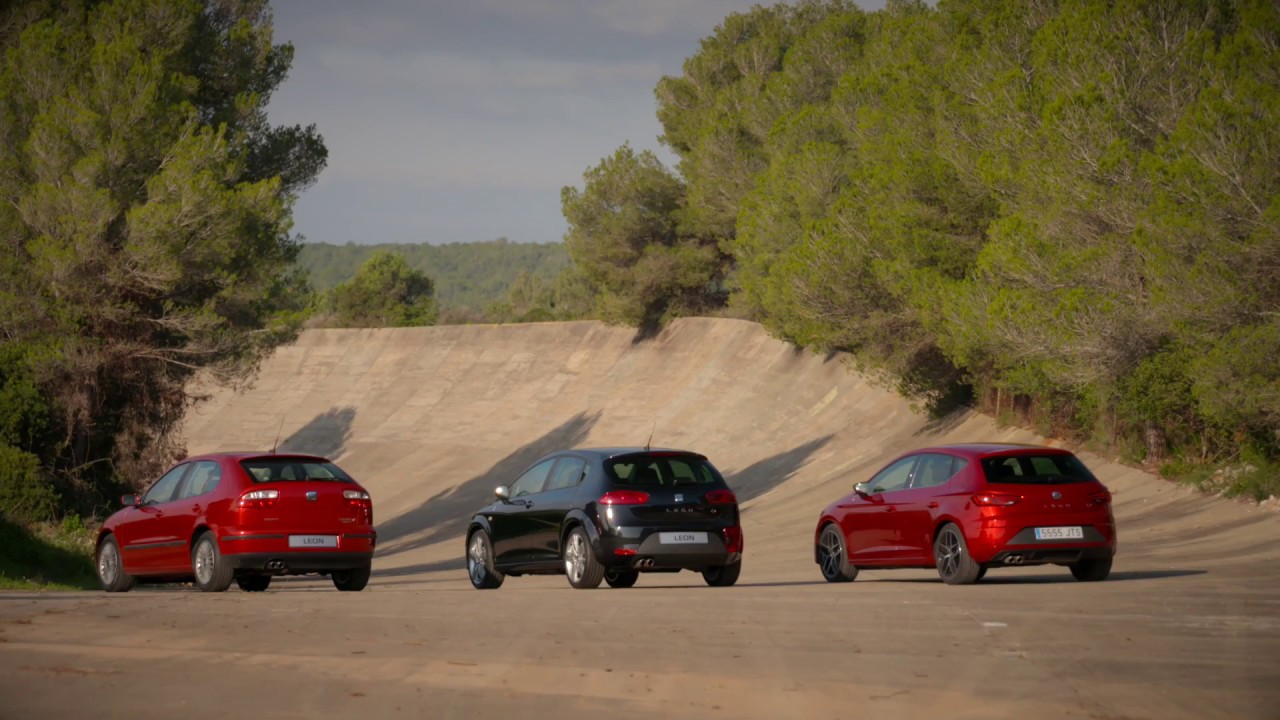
(761, 477)
(446, 513)
(325, 435)
(945, 423)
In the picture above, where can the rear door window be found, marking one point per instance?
(659, 470)
(935, 470)
(1036, 469)
(203, 480)
(567, 473)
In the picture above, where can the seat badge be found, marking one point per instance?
(679, 497)
(312, 496)
(1056, 495)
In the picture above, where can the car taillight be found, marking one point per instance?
(259, 499)
(993, 499)
(722, 497)
(624, 497)
(1100, 498)
(732, 538)
(360, 499)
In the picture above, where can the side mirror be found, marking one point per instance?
(503, 493)
(863, 489)
(129, 500)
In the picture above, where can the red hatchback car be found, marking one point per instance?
(243, 517)
(967, 508)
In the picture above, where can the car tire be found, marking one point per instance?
(833, 556)
(480, 562)
(352, 579)
(110, 565)
(1095, 570)
(722, 575)
(951, 556)
(211, 571)
(621, 578)
(580, 564)
(254, 583)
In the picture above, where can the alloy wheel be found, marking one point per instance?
(204, 563)
(108, 564)
(831, 551)
(477, 559)
(575, 558)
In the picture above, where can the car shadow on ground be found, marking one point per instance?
(761, 477)
(995, 578)
(446, 514)
(326, 435)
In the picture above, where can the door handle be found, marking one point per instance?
(891, 509)
(933, 505)
(195, 508)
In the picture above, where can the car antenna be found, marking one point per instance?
(278, 430)
(649, 442)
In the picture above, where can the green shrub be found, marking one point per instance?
(24, 494)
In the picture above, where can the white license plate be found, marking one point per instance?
(316, 541)
(1060, 533)
(682, 538)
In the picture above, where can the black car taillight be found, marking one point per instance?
(624, 497)
(722, 497)
(732, 537)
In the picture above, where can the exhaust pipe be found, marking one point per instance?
(1014, 560)
(644, 563)
(275, 565)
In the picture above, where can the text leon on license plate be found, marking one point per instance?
(682, 538)
(1060, 533)
(306, 541)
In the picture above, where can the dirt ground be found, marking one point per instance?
(431, 419)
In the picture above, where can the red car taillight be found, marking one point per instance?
(722, 497)
(1100, 498)
(360, 499)
(257, 499)
(624, 497)
(994, 499)
(732, 538)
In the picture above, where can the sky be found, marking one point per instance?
(461, 120)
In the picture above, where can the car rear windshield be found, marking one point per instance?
(1036, 469)
(286, 469)
(659, 469)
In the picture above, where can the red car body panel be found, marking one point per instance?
(898, 528)
(156, 539)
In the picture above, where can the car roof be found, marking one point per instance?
(977, 450)
(608, 452)
(255, 455)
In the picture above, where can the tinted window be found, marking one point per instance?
(532, 481)
(656, 469)
(285, 469)
(204, 478)
(894, 477)
(567, 473)
(935, 470)
(1031, 469)
(163, 490)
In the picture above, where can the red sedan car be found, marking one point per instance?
(967, 508)
(242, 517)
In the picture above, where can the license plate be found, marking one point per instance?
(1060, 533)
(310, 541)
(682, 538)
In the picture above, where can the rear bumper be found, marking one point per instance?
(1016, 544)
(299, 563)
(642, 548)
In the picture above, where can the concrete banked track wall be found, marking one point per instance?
(431, 419)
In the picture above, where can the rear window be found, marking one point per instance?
(1036, 469)
(286, 469)
(657, 470)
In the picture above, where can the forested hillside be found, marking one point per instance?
(1067, 211)
(466, 275)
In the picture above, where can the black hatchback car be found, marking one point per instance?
(609, 514)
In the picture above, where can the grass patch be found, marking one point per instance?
(1256, 480)
(46, 557)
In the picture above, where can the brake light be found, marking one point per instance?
(1100, 498)
(732, 538)
(722, 497)
(994, 499)
(360, 499)
(257, 499)
(624, 551)
(624, 497)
